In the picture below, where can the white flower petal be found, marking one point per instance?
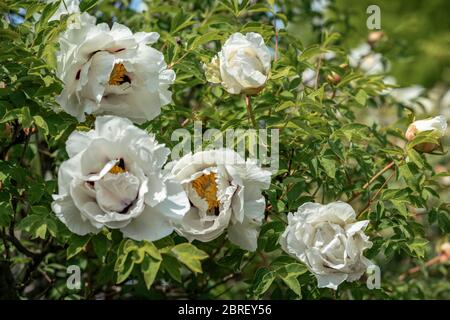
(331, 281)
(77, 142)
(151, 225)
(245, 234)
(68, 213)
(157, 191)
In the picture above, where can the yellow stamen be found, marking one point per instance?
(116, 170)
(119, 167)
(118, 75)
(206, 188)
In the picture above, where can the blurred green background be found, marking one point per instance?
(416, 33)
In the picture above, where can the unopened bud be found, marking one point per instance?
(374, 37)
(333, 78)
(445, 251)
(437, 124)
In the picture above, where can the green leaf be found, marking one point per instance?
(352, 131)
(145, 247)
(189, 255)
(293, 284)
(282, 73)
(418, 247)
(100, 244)
(310, 52)
(77, 244)
(87, 5)
(39, 222)
(6, 213)
(262, 281)
(149, 270)
(291, 270)
(330, 167)
(415, 157)
(41, 124)
(41, 231)
(124, 272)
(361, 97)
(181, 22)
(172, 267)
(27, 120)
(205, 38)
(47, 13)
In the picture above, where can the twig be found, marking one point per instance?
(251, 116)
(442, 257)
(5, 244)
(224, 280)
(376, 194)
(170, 66)
(35, 264)
(275, 58)
(319, 64)
(231, 276)
(375, 177)
(19, 246)
(25, 146)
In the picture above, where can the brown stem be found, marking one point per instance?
(276, 40)
(5, 244)
(376, 194)
(438, 259)
(375, 177)
(319, 64)
(251, 116)
(19, 246)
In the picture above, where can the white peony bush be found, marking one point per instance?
(329, 241)
(111, 71)
(242, 66)
(113, 179)
(225, 195)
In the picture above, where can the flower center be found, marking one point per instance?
(206, 188)
(118, 168)
(118, 75)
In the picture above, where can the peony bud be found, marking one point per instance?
(333, 78)
(445, 250)
(438, 124)
(374, 37)
(242, 66)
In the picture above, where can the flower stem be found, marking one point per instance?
(251, 116)
(442, 257)
(375, 177)
(376, 194)
(319, 65)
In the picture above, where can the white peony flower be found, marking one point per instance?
(437, 124)
(329, 241)
(225, 193)
(243, 64)
(369, 62)
(112, 71)
(113, 179)
(309, 77)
